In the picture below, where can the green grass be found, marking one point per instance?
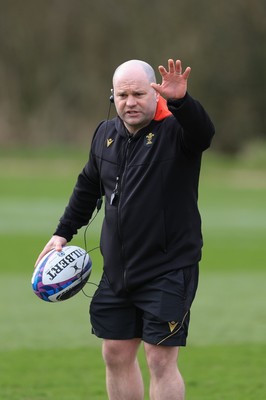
(47, 351)
(212, 373)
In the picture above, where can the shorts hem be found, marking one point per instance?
(167, 343)
(113, 336)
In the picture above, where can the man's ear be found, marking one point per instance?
(157, 96)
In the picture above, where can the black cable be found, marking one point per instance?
(98, 204)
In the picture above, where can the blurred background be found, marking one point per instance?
(57, 58)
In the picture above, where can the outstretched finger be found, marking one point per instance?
(178, 67)
(162, 70)
(186, 73)
(171, 66)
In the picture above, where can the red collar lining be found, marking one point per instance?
(161, 110)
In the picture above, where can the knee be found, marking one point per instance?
(116, 354)
(161, 361)
(155, 362)
(111, 355)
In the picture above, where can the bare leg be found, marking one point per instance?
(166, 380)
(123, 376)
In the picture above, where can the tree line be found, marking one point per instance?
(57, 58)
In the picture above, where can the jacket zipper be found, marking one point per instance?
(120, 193)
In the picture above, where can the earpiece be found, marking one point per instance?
(111, 98)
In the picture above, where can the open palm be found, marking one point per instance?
(174, 82)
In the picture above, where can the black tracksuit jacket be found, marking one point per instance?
(150, 181)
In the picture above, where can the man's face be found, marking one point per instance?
(135, 100)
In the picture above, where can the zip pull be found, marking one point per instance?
(114, 194)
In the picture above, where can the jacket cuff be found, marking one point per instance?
(177, 103)
(64, 231)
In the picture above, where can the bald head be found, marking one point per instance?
(134, 97)
(132, 67)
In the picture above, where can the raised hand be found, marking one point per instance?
(174, 82)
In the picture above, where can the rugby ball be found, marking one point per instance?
(60, 275)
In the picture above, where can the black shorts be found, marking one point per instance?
(157, 312)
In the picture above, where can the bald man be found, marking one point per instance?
(146, 163)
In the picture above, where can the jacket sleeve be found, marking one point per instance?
(197, 128)
(82, 202)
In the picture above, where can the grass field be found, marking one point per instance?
(47, 351)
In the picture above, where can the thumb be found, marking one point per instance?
(56, 242)
(58, 247)
(157, 87)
